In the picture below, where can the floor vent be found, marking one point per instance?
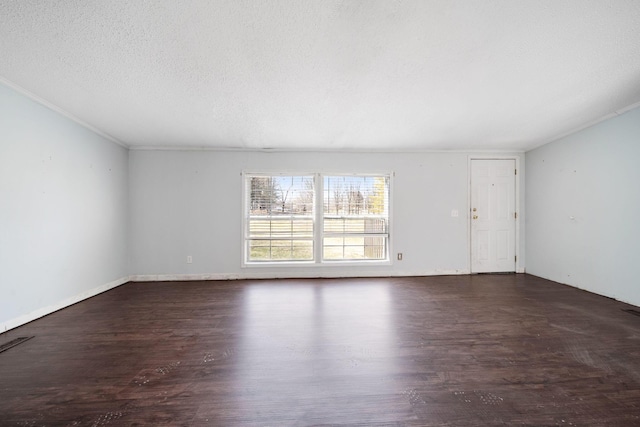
(13, 343)
(632, 311)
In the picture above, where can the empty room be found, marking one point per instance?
(319, 213)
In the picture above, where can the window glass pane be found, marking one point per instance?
(280, 218)
(355, 217)
(280, 250)
(354, 225)
(354, 248)
(356, 195)
(280, 195)
(302, 249)
(279, 227)
(259, 250)
(375, 247)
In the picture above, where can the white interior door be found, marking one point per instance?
(493, 216)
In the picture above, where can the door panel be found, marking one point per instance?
(503, 208)
(483, 245)
(502, 245)
(492, 216)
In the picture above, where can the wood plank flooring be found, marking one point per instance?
(482, 350)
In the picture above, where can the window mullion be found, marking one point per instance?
(319, 217)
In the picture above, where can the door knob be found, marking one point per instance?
(475, 217)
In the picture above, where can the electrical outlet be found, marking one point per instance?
(189, 259)
(399, 256)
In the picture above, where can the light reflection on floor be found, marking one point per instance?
(301, 343)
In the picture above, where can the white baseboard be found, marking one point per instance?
(26, 318)
(285, 275)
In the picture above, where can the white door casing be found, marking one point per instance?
(493, 215)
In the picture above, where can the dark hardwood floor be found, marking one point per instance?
(479, 350)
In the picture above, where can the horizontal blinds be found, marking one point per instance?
(280, 196)
(356, 205)
(355, 225)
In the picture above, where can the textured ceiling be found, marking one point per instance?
(310, 74)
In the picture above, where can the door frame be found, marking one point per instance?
(518, 207)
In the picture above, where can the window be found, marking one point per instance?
(314, 218)
(355, 218)
(280, 218)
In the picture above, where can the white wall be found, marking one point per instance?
(583, 209)
(189, 203)
(63, 211)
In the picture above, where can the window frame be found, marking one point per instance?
(318, 222)
(322, 234)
